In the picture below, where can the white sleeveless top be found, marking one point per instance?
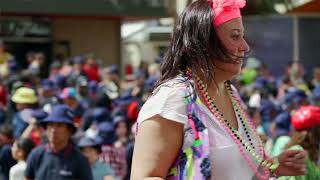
(227, 162)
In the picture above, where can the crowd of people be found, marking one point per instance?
(78, 122)
(79, 115)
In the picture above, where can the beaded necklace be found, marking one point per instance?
(242, 144)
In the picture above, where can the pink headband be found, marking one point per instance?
(226, 10)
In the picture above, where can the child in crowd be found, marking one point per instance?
(20, 151)
(91, 150)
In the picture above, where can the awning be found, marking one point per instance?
(312, 7)
(87, 8)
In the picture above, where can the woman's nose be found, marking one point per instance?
(245, 46)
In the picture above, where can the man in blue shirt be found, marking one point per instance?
(6, 159)
(60, 158)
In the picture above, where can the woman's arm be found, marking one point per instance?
(157, 145)
(26, 133)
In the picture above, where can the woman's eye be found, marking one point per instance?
(235, 37)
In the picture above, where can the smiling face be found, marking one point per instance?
(231, 35)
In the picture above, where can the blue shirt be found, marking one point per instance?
(6, 161)
(100, 170)
(69, 164)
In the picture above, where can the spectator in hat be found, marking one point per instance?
(282, 129)
(54, 69)
(268, 112)
(6, 159)
(93, 89)
(315, 98)
(121, 130)
(296, 73)
(20, 151)
(124, 140)
(77, 71)
(96, 115)
(91, 149)
(82, 95)
(110, 81)
(100, 112)
(25, 100)
(115, 156)
(68, 97)
(35, 60)
(60, 81)
(137, 90)
(34, 130)
(306, 122)
(59, 158)
(66, 68)
(48, 93)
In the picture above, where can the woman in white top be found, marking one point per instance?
(20, 151)
(193, 126)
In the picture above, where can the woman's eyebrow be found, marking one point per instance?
(236, 30)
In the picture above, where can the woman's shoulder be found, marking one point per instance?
(178, 82)
(168, 101)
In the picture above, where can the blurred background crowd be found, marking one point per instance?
(44, 68)
(106, 106)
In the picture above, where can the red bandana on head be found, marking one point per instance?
(226, 10)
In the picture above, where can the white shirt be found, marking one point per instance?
(17, 171)
(227, 162)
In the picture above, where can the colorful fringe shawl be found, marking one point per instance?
(194, 162)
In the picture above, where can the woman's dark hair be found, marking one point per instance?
(195, 44)
(26, 145)
(309, 140)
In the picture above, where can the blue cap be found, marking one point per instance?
(119, 119)
(13, 65)
(106, 132)
(125, 99)
(260, 82)
(316, 92)
(60, 81)
(61, 114)
(113, 69)
(283, 123)
(266, 109)
(100, 115)
(39, 114)
(77, 60)
(93, 87)
(293, 96)
(47, 85)
(89, 142)
(150, 83)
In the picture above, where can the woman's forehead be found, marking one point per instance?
(234, 25)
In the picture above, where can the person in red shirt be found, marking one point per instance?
(91, 69)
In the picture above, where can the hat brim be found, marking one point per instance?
(61, 120)
(20, 100)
